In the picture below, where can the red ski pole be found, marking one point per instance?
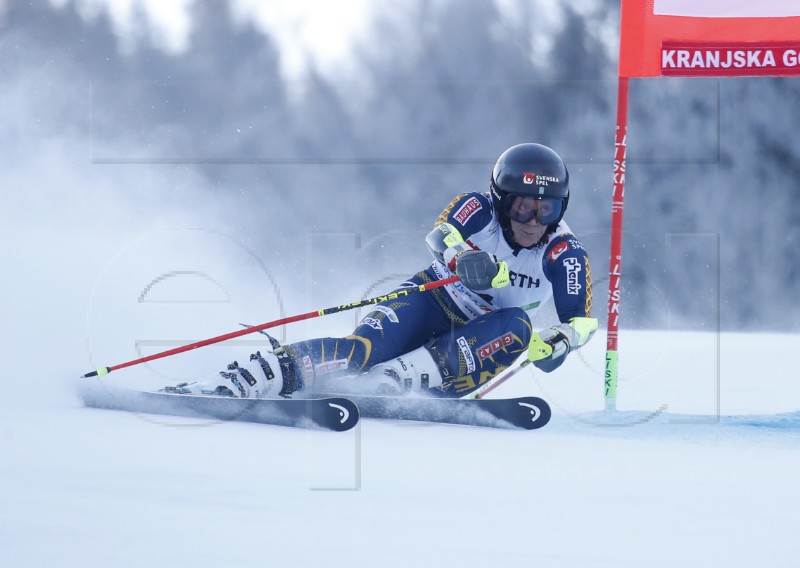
(490, 386)
(101, 371)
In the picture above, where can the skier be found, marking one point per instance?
(511, 250)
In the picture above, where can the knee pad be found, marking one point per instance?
(483, 348)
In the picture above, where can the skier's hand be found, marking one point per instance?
(479, 270)
(549, 348)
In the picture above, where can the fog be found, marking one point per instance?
(201, 162)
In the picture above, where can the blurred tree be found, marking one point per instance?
(436, 91)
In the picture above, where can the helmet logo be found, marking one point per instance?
(528, 178)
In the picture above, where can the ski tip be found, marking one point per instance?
(99, 372)
(534, 413)
(248, 326)
(343, 414)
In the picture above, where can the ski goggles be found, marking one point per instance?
(524, 208)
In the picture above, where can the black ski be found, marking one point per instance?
(528, 412)
(333, 413)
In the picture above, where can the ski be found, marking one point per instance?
(332, 413)
(528, 412)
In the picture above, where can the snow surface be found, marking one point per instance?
(698, 468)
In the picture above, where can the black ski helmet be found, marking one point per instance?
(531, 170)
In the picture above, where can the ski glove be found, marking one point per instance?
(549, 348)
(479, 270)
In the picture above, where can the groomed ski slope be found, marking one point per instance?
(665, 482)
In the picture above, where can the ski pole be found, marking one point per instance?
(101, 371)
(490, 386)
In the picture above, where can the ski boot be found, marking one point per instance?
(261, 377)
(416, 371)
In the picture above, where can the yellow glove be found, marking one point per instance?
(549, 348)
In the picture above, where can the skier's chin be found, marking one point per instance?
(526, 236)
